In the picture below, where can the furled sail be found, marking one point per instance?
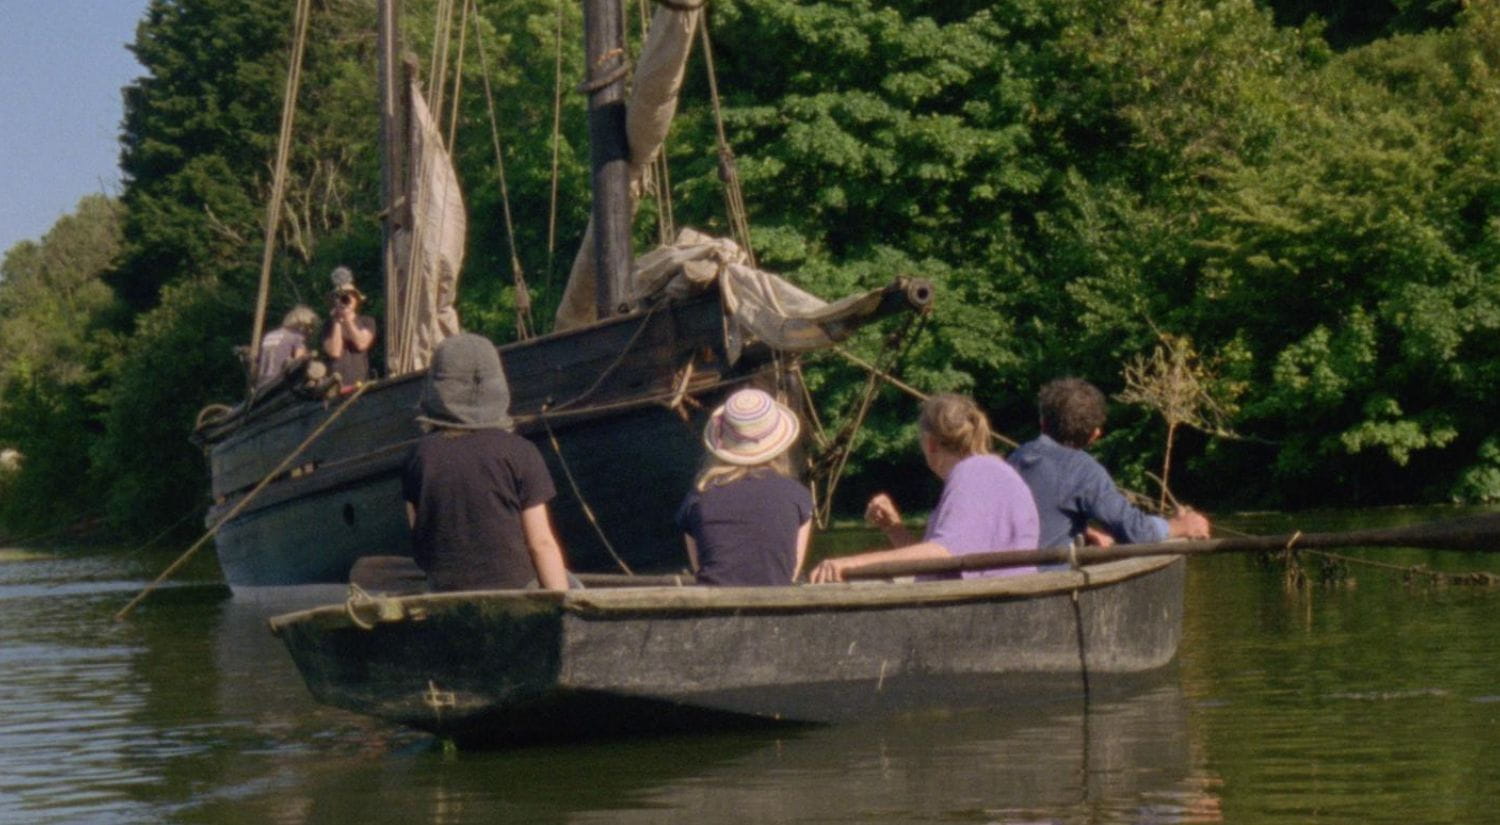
(759, 304)
(430, 247)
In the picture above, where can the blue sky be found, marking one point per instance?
(62, 65)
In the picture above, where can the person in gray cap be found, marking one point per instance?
(284, 345)
(476, 493)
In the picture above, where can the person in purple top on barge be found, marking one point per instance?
(984, 507)
(1073, 491)
(746, 521)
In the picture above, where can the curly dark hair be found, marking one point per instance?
(1072, 409)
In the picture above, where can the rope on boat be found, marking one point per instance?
(525, 326)
(278, 178)
(380, 608)
(458, 73)
(243, 502)
(1296, 577)
(583, 503)
(734, 196)
(1003, 439)
(830, 465)
(437, 64)
(557, 96)
(614, 365)
(656, 177)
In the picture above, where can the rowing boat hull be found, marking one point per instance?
(507, 665)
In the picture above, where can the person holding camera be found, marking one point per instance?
(348, 336)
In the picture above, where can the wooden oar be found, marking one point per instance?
(1475, 534)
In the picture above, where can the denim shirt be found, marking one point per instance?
(1072, 489)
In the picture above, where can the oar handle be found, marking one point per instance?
(1475, 534)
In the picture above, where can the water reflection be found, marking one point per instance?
(192, 712)
(1127, 759)
(1375, 701)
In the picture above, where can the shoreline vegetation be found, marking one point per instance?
(1300, 214)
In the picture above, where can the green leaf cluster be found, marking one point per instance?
(1315, 205)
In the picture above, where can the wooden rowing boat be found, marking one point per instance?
(499, 666)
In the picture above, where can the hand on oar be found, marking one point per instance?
(1475, 534)
(827, 571)
(1188, 524)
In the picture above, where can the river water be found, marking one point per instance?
(1362, 700)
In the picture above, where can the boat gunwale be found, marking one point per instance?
(660, 599)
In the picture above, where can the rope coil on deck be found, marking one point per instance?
(361, 603)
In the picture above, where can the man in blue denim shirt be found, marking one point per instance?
(1072, 490)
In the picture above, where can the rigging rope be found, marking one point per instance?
(656, 178)
(437, 70)
(525, 326)
(243, 502)
(278, 178)
(619, 359)
(907, 388)
(842, 445)
(583, 504)
(557, 98)
(734, 197)
(458, 74)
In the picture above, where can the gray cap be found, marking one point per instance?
(466, 387)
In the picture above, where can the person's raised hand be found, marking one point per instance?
(881, 512)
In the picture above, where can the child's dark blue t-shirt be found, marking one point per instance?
(746, 531)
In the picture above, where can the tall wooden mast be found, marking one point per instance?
(394, 201)
(609, 153)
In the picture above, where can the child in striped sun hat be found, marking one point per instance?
(747, 521)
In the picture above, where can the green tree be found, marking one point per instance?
(52, 297)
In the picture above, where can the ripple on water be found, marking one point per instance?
(67, 714)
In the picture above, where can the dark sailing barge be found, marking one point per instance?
(501, 666)
(303, 487)
(613, 394)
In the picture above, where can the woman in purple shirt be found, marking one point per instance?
(984, 506)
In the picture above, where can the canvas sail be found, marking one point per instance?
(759, 304)
(430, 248)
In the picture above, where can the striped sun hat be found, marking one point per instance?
(750, 428)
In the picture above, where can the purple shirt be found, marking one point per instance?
(985, 507)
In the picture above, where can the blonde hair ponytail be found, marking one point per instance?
(956, 423)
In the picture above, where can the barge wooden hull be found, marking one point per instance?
(616, 408)
(625, 400)
(515, 665)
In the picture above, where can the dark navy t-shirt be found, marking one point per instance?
(746, 531)
(469, 488)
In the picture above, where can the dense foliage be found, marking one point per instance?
(1308, 192)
